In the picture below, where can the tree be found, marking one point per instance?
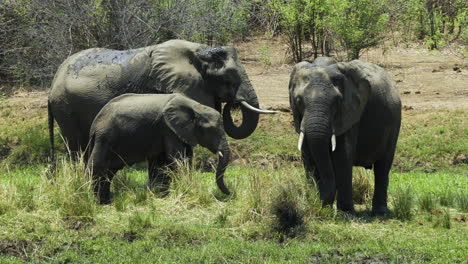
(302, 20)
(359, 24)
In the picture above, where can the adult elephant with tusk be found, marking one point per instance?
(347, 114)
(89, 79)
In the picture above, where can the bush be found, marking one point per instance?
(358, 24)
(303, 20)
(36, 36)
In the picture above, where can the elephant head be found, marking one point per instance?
(210, 76)
(326, 102)
(197, 124)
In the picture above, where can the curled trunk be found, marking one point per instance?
(250, 118)
(223, 160)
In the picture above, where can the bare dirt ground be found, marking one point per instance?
(425, 81)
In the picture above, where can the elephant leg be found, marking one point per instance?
(342, 163)
(75, 140)
(98, 164)
(158, 179)
(381, 172)
(102, 185)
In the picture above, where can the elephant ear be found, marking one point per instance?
(355, 89)
(296, 86)
(175, 67)
(180, 118)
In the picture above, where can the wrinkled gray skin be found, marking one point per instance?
(357, 102)
(153, 127)
(87, 80)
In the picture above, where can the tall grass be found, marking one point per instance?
(188, 184)
(427, 202)
(69, 189)
(363, 185)
(403, 202)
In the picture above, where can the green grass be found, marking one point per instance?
(273, 216)
(432, 140)
(200, 226)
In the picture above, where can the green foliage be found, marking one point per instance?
(69, 190)
(359, 24)
(403, 203)
(429, 141)
(138, 221)
(178, 230)
(265, 55)
(443, 219)
(462, 202)
(437, 23)
(427, 202)
(302, 20)
(33, 146)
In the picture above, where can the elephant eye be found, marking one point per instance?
(218, 64)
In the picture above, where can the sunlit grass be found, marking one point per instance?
(273, 215)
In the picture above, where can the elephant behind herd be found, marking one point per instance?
(347, 114)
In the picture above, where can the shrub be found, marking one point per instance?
(295, 202)
(359, 24)
(302, 20)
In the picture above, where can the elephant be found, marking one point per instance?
(154, 127)
(346, 114)
(87, 80)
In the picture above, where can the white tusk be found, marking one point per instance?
(260, 111)
(301, 140)
(333, 142)
(220, 154)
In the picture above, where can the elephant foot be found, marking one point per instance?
(161, 190)
(349, 211)
(105, 199)
(381, 211)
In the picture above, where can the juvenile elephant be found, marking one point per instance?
(87, 80)
(153, 127)
(347, 114)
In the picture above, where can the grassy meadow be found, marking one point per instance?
(274, 215)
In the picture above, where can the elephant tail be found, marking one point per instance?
(51, 131)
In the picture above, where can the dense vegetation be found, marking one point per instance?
(273, 216)
(37, 35)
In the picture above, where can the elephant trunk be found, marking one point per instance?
(318, 132)
(223, 160)
(247, 99)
